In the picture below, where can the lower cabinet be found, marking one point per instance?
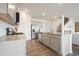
(52, 41)
(47, 42)
(55, 42)
(46, 39)
(43, 38)
(39, 37)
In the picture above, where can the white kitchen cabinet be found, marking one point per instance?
(39, 37)
(3, 7)
(55, 42)
(47, 42)
(14, 45)
(46, 39)
(43, 38)
(10, 8)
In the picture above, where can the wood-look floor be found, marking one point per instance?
(35, 48)
(75, 49)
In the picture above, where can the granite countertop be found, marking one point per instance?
(12, 37)
(51, 33)
(56, 34)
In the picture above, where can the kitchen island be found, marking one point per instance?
(56, 41)
(13, 45)
(51, 40)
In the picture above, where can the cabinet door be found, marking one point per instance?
(55, 43)
(46, 39)
(39, 37)
(43, 38)
(47, 42)
(12, 11)
(58, 41)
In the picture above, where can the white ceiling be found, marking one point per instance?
(51, 9)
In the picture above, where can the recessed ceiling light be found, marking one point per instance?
(43, 14)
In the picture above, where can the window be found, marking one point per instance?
(77, 27)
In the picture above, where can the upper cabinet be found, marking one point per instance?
(3, 7)
(8, 8)
(8, 12)
(12, 9)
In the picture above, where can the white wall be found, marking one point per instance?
(47, 26)
(25, 24)
(44, 25)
